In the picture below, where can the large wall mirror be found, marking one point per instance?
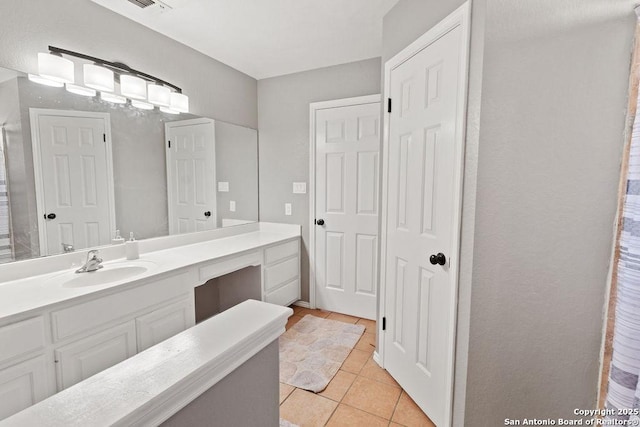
(75, 169)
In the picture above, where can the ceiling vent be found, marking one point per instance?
(143, 3)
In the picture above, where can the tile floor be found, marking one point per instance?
(361, 393)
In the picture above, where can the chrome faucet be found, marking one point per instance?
(66, 247)
(93, 263)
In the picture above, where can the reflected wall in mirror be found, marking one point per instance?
(75, 169)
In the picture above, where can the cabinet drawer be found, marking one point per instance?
(278, 274)
(164, 323)
(220, 268)
(286, 294)
(112, 307)
(277, 253)
(22, 337)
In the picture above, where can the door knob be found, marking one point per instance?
(320, 221)
(50, 216)
(207, 214)
(438, 259)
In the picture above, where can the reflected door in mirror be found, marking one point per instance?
(191, 175)
(72, 164)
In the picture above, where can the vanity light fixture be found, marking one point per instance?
(159, 95)
(101, 75)
(179, 102)
(44, 81)
(113, 98)
(79, 90)
(99, 78)
(56, 68)
(141, 105)
(133, 87)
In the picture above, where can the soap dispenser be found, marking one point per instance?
(118, 239)
(131, 248)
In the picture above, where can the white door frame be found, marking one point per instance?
(459, 18)
(34, 117)
(169, 168)
(314, 107)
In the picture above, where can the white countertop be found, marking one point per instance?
(22, 296)
(150, 387)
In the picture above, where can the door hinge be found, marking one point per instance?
(384, 323)
(388, 105)
(104, 137)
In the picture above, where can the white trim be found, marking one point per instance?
(376, 358)
(302, 304)
(169, 169)
(34, 117)
(459, 18)
(314, 107)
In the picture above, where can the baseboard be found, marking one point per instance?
(376, 358)
(302, 304)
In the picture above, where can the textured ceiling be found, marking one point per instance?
(269, 38)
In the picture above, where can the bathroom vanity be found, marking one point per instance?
(58, 327)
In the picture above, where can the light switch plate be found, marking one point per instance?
(223, 187)
(299, 188)
(232, 205)
(287, 208)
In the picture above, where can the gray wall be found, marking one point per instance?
(548, 82)
(248, 396)
(215, 89)
(283, 119)
(237, 164)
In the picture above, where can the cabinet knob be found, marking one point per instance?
(207, 214)
(320, 221)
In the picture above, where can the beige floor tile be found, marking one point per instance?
(318, 313)
(297, 309)
(409, 414)
(285, 391)
(355, 361)
(338, 386)
(346, 416)
(367, 343)
(370, 325)
(307, 409)
(372, 396)
(293, 320)
(343, 318)
(373, 371)
(392, 424)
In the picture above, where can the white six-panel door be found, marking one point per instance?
(422, 219)
(347, 143)
(74, 179)
(191, 175)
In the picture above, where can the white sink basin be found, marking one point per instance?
(110, 273)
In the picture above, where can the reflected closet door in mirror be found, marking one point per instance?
(73, 172)
(191, 175)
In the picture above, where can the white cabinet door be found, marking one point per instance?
(164, 323)
(81, 359)
(22, 385)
